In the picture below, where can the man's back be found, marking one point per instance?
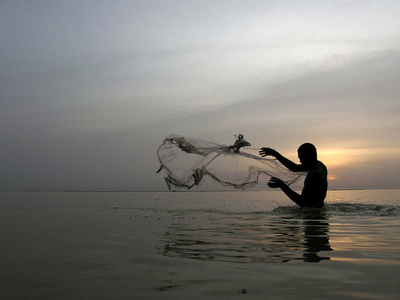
(315, 186)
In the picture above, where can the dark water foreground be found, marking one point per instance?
(197, 245)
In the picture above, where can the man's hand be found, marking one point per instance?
(275, 183)
(267, 151)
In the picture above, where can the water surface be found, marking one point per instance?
(169, 245)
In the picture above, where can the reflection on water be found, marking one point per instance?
(296, 235)
(316, 239)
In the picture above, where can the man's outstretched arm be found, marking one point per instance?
(295, 197)
(311, 196)
(283, 160)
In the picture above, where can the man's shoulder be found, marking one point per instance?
(318, 173)
(322, 167)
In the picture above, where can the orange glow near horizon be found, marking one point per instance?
(338, 157)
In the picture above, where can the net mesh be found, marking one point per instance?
(187, 161)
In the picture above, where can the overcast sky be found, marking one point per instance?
(89, 89)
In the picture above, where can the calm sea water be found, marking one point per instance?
(85, 244)
(237, 226)
(264, 226)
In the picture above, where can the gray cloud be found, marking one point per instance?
(89, 90)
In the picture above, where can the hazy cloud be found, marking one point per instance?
(88, 90)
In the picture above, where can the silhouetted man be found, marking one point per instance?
(315, 184)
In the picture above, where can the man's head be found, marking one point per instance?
(307, 154)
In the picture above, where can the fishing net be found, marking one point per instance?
(187, 161)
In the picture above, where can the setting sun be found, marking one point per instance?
(332, 177)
